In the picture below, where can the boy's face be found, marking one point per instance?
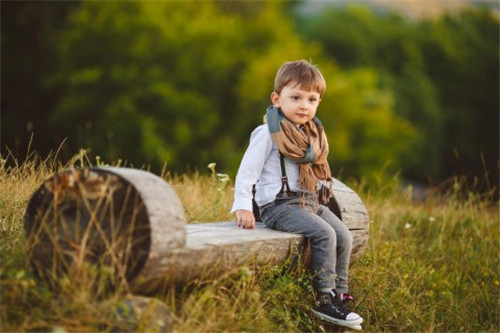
(298, 105)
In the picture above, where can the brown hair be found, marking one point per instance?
(306, 75)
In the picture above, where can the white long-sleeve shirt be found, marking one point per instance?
(261, 166)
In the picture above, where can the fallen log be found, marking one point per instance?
(133, 221)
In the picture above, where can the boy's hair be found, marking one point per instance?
(306, 75)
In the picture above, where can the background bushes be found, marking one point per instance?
(184, 83)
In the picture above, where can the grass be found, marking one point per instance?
(430, 266)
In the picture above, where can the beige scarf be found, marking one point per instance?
(307, 145)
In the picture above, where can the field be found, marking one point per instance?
(430, 266)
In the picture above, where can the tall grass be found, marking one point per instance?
(430, 266)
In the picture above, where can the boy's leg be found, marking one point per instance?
(344, 247)
(289, 216)
(330, 307)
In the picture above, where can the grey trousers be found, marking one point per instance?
(330, 239)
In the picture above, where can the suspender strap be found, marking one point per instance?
(282, 164)
(285, 188)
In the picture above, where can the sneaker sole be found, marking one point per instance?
(354, 324)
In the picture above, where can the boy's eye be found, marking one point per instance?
(295, 98)
(313, 100)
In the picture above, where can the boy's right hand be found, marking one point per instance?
(245, 219)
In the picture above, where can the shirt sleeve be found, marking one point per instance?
(251, 167)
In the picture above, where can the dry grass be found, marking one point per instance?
(205, 197)
(431, 266)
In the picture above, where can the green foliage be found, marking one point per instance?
(131, 101)
(165, 85)
(184, 83)
(443, 74)
(464, 66)
(362, 126)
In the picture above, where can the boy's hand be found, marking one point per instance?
(245, 219)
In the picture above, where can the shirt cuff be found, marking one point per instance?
(245, 204)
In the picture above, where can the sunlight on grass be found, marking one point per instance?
(206, 198)
(431, 266)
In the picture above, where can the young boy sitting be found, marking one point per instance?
(287, 161)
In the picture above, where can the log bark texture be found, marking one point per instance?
(133, 220)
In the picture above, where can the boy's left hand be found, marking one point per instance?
(245, 219)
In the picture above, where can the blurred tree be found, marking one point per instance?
(461, 53)
(443, 73)
(365, 134)
(186, 82)
(129, 84)
(357, 37)
(28, 42)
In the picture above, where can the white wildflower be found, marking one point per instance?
(211, 166)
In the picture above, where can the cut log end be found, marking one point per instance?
(96, 216)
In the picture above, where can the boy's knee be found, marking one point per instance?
(345, 239)
(328, 234)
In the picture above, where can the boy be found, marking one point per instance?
(286, 160)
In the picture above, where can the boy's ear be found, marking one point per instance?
(275, 99)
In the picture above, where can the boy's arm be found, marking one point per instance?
(248, 174)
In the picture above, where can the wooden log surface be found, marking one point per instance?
(112, 216)
(134, 220)
(216, 248)
(221, 247)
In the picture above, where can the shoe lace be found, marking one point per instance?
(333, 300)
(338, 306)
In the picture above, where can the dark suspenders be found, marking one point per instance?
(285, 192)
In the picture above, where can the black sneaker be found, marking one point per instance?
(330, 308)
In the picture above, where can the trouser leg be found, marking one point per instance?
(291, 217)
(344, 247)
